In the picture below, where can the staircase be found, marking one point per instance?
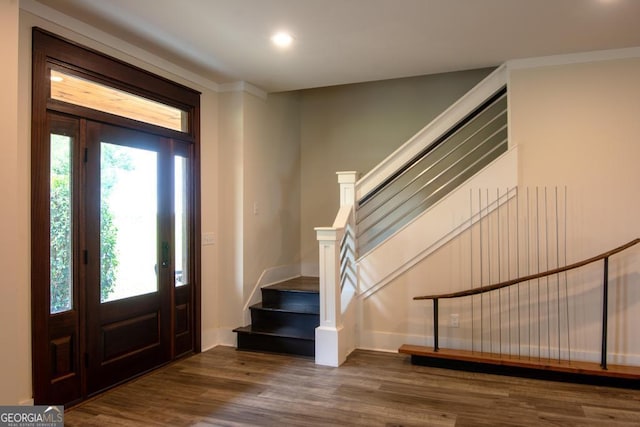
(285, 320)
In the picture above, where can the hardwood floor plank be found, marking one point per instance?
(611, 414)
(225, 387)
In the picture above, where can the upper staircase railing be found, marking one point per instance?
(431, 133)
(461, 152)
(452, 148)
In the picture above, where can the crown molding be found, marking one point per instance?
(574, 58)
(79, 30)
(243, 86)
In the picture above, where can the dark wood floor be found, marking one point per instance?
(225, 387)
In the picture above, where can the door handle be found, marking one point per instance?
(165, 254)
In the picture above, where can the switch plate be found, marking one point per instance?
(455, 321)
(207, 239)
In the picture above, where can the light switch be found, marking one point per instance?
(207, 239)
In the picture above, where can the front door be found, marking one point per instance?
(120, 264)
(129, 268)
(114, 221)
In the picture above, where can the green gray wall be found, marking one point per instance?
(354, 127)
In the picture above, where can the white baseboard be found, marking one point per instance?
(209, 339)
(389, 342)
(218, 336)
(227, 337)
(26, 402)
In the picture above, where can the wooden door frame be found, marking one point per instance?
(51, 51)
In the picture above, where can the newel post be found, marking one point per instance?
(347, 181)
(329, 344)
(331, 338)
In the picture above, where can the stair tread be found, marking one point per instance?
(290, 308)
(285, 320)
(298, 284)
(289, 334)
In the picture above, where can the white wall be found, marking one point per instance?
(271, 184)
(210, 213)
(260, 196)
(230, 236)
(15, 335)
(353, 127)
(575, 125)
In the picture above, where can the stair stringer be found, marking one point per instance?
(433, 228)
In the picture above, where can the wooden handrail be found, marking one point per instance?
(507, 283)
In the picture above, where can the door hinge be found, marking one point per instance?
(86, 154)
(86, 360)
(85, 257)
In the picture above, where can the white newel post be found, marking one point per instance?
(347, 181)
(331, 344)
(329, 333)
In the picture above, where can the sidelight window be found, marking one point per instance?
(60, 228)
(181, 223)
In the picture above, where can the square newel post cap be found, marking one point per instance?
(325, 234)
(348, 177)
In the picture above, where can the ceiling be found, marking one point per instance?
(348, 41)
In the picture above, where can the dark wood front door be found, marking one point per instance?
(114, 221)
(120, 263)
(129, 266)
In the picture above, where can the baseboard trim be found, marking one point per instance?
(26, 402)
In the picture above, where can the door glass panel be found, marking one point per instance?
(181, 223)
(128, 222)
(60, 220)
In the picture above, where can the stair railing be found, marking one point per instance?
(505, 284)
(457, 155)
(431, 132)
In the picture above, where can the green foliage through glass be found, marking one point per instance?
(61, 267)
(61, 226)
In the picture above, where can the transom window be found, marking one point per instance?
(86, 93)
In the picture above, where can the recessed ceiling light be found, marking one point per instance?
(282, 39)
(56, 78)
